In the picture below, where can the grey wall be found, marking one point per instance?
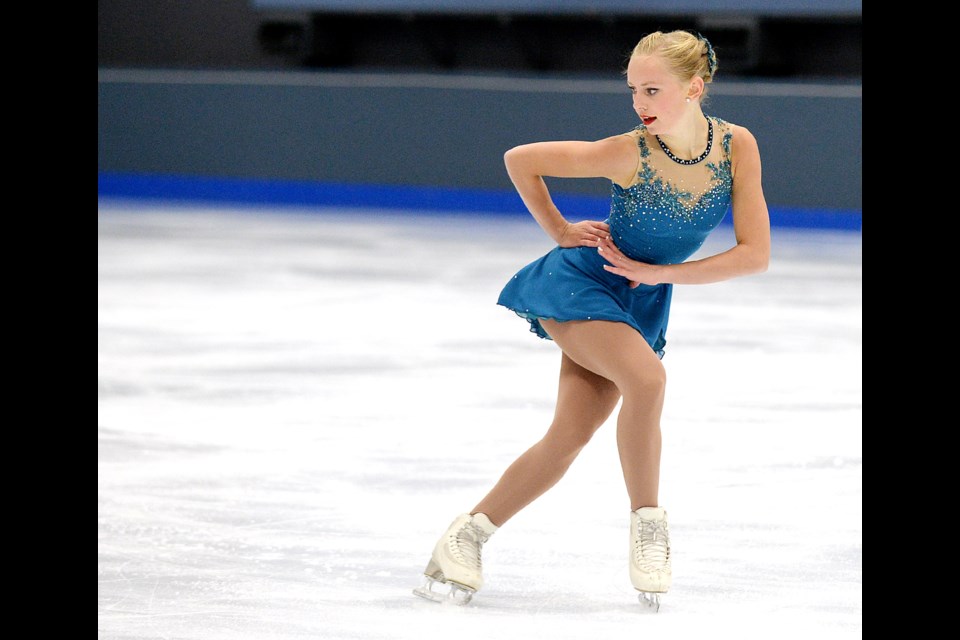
(448, 131)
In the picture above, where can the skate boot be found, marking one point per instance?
(454, 572)
(650, 570)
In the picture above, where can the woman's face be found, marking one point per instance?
(658, 96)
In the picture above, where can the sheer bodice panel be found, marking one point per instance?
(668, 211)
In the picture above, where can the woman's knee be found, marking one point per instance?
(645, 382)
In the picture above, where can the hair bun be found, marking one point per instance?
(711, 55)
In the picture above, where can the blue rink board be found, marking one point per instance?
(477, 202)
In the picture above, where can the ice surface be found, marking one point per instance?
(293, 406)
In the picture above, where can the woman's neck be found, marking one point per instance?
(689, 138)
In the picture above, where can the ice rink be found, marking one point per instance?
(293, 405)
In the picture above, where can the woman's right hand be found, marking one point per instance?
(588, 233)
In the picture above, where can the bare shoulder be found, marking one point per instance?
(742, 141)
(743, 150)
(743, 144)
(620, 142)
(621, 157)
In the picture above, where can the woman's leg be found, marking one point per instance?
(617, 352)
(584, 402)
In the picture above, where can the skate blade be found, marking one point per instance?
(650, 601)
(444, 592)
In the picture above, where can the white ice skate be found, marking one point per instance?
(650, 570)
(455, 570)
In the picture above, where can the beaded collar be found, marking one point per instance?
(698, 159)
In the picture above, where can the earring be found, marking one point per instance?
(688, 99)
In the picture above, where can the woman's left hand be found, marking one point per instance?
(636, 272)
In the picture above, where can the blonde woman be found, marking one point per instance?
(603, 294)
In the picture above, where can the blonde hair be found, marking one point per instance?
(687, 55)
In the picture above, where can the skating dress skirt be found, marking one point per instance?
(663, 217)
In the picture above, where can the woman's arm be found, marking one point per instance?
(751, 225)
(614, 158)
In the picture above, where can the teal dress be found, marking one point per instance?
(663, 217)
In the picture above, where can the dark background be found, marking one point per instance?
(824, 41)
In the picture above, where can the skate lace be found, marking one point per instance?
(652, 550)
(467, 545)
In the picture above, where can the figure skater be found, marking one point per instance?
(603, 294)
